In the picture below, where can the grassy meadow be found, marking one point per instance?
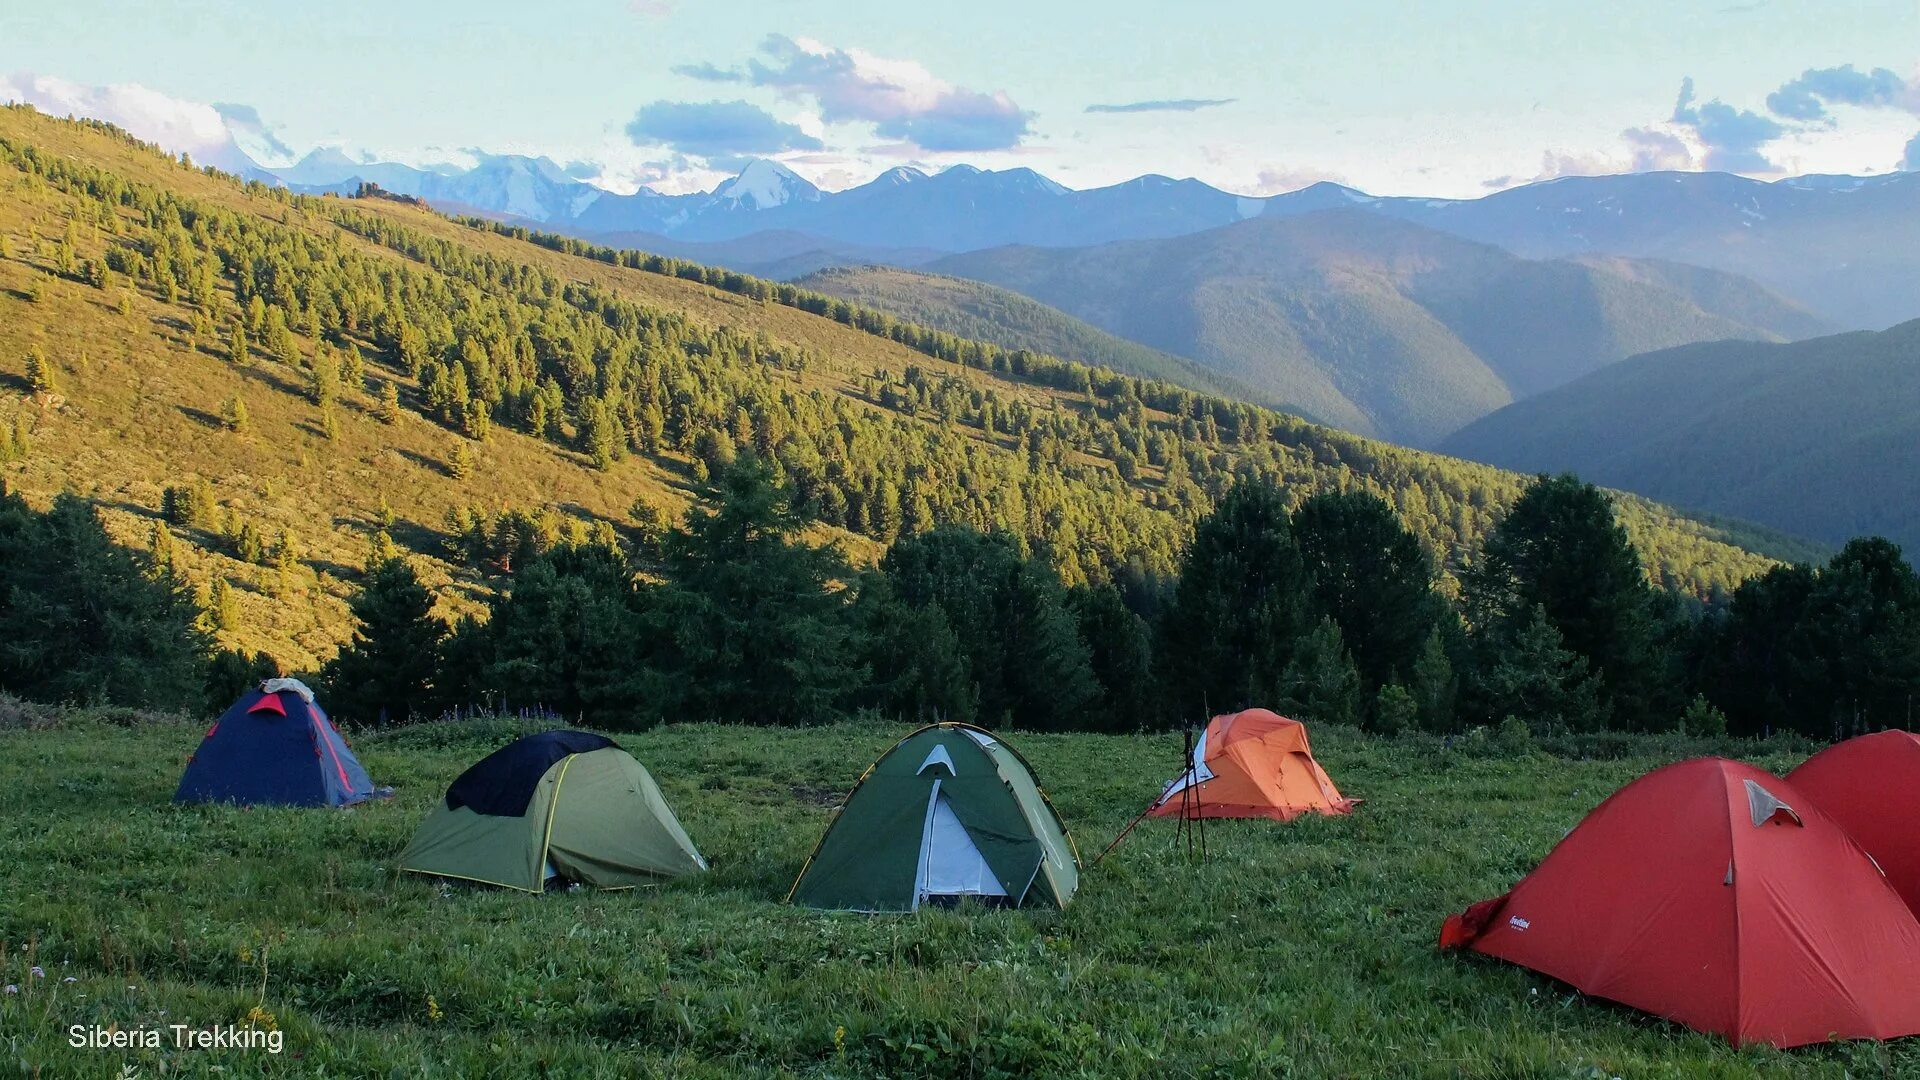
(1293, 950)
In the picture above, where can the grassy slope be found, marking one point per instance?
(1377, 325)
(975, 309)
(136, 414)
(1306, 947)
(1819, 437)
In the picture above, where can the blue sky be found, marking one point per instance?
(1436, 98)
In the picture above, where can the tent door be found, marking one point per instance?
(951, 865)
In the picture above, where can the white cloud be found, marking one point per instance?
(189, 127)
(901, 98)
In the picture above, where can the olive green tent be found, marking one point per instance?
(950, 812)
(558, 806)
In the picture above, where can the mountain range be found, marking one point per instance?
(1379, 325)
(1820, 438)
(1847, 248)
(457, 391)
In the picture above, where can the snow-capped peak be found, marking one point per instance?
(764, 184)
(899, 174)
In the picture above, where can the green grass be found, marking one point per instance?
(1300, 950)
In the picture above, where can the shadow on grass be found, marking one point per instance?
(434, 465)
(202, 417)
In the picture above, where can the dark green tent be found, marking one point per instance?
(950, 812)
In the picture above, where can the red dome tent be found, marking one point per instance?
(1714, 894)
(1871, 786)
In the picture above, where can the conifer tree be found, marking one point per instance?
(1537, 679)
(750, 627)
(460, 460)
(89, 621)
(41, 376)
(1240, 605)
(1320, 684)
(233, 413)
(1433, 685)
(1560, 554)
(223, 610)
(385, 674)
(389, 402)
(1372, 577)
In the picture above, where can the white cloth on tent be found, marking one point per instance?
(276, 686)
(938, 757)
(1197, 774)
(950, 862)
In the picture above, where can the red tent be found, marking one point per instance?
(1714, 894)
(1871, 786)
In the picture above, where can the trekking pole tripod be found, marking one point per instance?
(1192, 819)
(1189, 806)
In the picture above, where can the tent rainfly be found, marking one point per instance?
(275, 747)
(1718, 896)
(1870, 785)
(559, 806)
(950, 812)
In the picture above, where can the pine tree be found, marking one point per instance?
(1240, 606)
(160, 549)
(1394, 710)
(88, 621)
(1372, 577)
(380, 549)
(750, 627)
(323, 378)
(286, 561)
(237, 352)
(389, 402)
(41, 376)
(1320, 684)
(233, 413)
(1026, 661)
(223, 610)
(460, 460)
(1560, 552)
(1532, 675)
(1433, 685)
(385, 674)
(1120, 652)
(919, 668)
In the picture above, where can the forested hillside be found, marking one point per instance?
(1377, 325)
(1819, 437)
(271, 391)
(974, 309)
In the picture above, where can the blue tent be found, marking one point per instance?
(275, 746)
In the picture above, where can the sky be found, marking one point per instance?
(1450, 98)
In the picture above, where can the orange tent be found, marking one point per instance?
(1252, 764)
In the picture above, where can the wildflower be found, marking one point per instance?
(36, 972)
(840, 1040)
(13, 988)
(69, 979)
(434, 1015)
(259, 1017)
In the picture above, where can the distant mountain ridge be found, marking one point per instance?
(1848, 248)
(974, 309)
(1378, 325)
(1820, 438)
